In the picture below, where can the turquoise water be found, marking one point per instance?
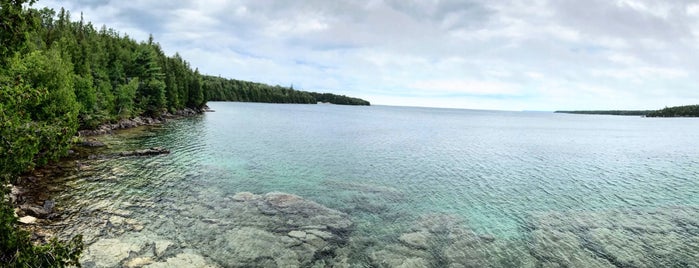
(516, 178)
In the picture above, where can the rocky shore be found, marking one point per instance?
(140, 121)
(268, 230)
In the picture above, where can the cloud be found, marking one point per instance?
(513, 54)
(466, 87)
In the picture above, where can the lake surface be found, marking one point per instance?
(421, 186)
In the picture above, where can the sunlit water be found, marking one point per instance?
(538, 187)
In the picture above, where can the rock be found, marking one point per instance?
(273, 230)
(161, 247)
(49, 205)
(109, 252)
(248, 246)
(298, 234)
(399, 256)
(92, 143)
(244, 196)
(116, 220)
(27, 220)
(138, 262)
(282, 200)
(186, 259)
(146, 152)
(487, 238)
(121, 212)
(322, 234)
(15, 194)
(416, 240)
(35, 211)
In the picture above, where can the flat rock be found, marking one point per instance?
(35, 211)
(138, 262)
(161, 247)
(27, 220)
(183, 260)
(109, 252)
(244, 196)
(322, 234)
(298, 234)
(417, 240)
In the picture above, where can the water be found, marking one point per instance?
(511, 188)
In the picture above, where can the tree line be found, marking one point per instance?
(222, 89)
(59, 74)
(677, 111)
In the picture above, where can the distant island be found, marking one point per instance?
(677, 111)
(611, 112)
(222, 89)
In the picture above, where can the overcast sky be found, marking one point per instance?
(478, 54)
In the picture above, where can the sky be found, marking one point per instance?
(475, 54)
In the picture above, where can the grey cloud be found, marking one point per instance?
(608, 18)
(449, 14)
(554, 47)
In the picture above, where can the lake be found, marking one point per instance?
(417, 187)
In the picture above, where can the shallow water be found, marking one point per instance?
(474, 188)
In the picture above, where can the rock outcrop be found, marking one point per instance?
(139, 121)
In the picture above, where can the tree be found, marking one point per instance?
(16, 23)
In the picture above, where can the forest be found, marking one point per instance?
(677, 111)
(59, 74)
(221, 89)
(611, 112)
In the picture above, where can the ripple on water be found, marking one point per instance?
(460, 188)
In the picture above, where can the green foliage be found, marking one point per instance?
(610, 112)
(677, 111)
(17, 250)
(220, 89)
(125, 95)
(38, 115)
(338, 99)
(54, 117)
(18, 143)
(16, 24)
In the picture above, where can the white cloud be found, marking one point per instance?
(466, 87)
(512, 54)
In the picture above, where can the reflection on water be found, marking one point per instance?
(390, 187)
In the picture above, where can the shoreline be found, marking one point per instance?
(138, 121)
(29, 193)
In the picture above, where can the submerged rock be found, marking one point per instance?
(109, 252)
(618, 238)
(92, 143)
(146, 152)
(271, 230)
(440, 240)
(416, 239)
(35, 211)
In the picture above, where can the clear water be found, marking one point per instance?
(518, 178)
